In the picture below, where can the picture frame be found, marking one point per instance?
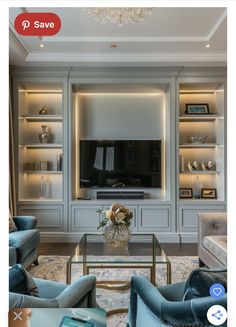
(185, 193)
(197, 109)
(208, 193)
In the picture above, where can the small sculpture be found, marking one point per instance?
(43, 111)
(195, 165)
(190, 167)
(210, 165)
(203, 165)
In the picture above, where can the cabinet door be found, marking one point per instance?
(188, 216)
(154, 219)
(50, 217)
(85, 218)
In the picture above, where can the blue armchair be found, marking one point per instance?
(154, 307)
(80, 294)
(23, 242)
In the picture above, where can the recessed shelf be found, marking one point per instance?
(41, 146)
(199, 118)
(42, 172)
(38, 199)
(199, 172)
(193, 201)
(42, 118)
(204, 145)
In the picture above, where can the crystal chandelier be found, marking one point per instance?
(119, 16)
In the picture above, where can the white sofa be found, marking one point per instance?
(212, 239)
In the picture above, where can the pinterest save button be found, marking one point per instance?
(37, 24)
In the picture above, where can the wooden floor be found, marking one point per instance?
(171, 249)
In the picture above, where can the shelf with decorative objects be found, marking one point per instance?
(201, 140)
(40, 150)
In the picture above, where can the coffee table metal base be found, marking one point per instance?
(118, 285)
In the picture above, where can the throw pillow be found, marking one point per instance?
(12, 225)
(21, 282)
(200, 281)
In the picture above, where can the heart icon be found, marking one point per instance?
(217, 291)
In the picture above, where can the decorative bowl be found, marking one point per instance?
(196, 139)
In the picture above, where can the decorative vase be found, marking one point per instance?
(44, 187)
(116, 235)
(44, 136)
(197, 188)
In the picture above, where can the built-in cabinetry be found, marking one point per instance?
(87, 105)
(201, 143)
(39, 176)
(146, 217)
(41, 170)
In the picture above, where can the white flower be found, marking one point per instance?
(120, 216)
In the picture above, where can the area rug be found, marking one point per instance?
(54, 268)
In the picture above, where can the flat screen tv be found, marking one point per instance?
(120, 164)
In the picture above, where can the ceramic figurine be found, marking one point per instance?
(203, 165)
(195, 165)
(209, 165)
(190, 167)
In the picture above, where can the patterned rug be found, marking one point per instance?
(54, 268)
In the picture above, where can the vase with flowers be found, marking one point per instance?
(116, 221)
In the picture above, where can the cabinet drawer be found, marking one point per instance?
(85, 218)
(50, 218)
(154, 219)
(188, 216)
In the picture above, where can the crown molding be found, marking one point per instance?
(79, 39)
(14, 36)
(16, 48)
(131, 57)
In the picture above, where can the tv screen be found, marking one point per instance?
(120, 164)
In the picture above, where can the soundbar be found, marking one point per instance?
(102, 195)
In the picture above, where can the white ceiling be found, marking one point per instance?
(168, 37)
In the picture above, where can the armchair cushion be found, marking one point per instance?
(24, 241)
(200, 281)
(21, 282)
(12, 225)
(217, 246)
(25, 222)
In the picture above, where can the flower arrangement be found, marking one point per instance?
(117, 214)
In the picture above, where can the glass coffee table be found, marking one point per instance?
(143, 252)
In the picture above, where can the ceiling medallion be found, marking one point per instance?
(119, 16)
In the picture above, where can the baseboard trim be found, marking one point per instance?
(188, 237)
(60, 237)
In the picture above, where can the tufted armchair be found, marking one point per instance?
(23, 243)
(212, 239)
(166, 305)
